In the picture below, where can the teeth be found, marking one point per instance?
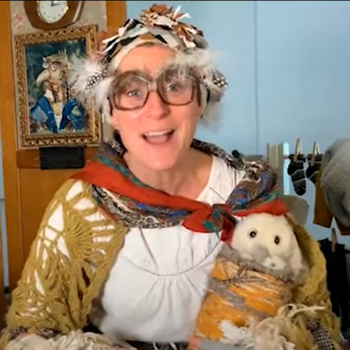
(157, 133)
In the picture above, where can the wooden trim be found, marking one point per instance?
(116, 13)
(9, 147)
(3, 305)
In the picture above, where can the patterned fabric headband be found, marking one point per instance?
(91, 79)
(151, 20)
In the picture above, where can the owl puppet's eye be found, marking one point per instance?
(277, 240)
(252, 234)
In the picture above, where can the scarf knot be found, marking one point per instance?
(125, 198)
(213, 218)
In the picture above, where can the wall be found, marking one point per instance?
(303, 76)
(94, 13)
(289, 72)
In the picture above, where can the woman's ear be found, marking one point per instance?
(114, 119)
(203, 99)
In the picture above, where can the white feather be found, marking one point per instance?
(79, 76)
(102, 92)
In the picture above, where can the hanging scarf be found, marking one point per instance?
(125, 198)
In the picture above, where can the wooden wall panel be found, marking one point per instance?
(27, 189)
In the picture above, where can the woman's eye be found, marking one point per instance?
(133, 93)
(174, 87)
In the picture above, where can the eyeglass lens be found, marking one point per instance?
(132, 89)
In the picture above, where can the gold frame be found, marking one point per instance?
(92, 135)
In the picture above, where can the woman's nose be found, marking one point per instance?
(156, 107)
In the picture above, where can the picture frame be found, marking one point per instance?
(47, 113)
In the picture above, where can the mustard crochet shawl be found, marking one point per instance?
(68, 266)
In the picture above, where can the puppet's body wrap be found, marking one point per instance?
(238, 292)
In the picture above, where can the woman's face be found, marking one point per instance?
(158, 135)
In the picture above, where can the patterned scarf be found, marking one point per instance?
(125, 198)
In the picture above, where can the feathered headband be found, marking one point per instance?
(91, 79)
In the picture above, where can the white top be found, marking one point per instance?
(154, 290)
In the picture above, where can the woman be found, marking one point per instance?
(127, 244)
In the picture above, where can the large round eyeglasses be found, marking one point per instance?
(132, 89)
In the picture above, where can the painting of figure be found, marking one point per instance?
(48, 113)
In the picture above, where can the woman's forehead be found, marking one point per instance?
(148, 59)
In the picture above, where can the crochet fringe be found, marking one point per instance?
(73, 341)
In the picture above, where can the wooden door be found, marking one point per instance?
(3, 299)
(27, 188)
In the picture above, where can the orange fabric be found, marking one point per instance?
(103, 176)
(260, 292)
(322, 215)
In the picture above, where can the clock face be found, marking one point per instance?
(52, 11)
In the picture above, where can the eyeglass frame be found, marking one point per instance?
(152, 85)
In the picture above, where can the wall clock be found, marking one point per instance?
(49, 15)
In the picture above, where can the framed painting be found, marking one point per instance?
(48, 114)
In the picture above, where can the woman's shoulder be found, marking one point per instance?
(226, 172)
(223, 179)
(74, 199)
(70, 193)
(72, 187)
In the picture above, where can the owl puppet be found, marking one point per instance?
(251, 281)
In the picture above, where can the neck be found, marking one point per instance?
(187, 178)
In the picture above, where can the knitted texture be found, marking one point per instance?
(239, 291)
(60, 279)
(312, 293)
